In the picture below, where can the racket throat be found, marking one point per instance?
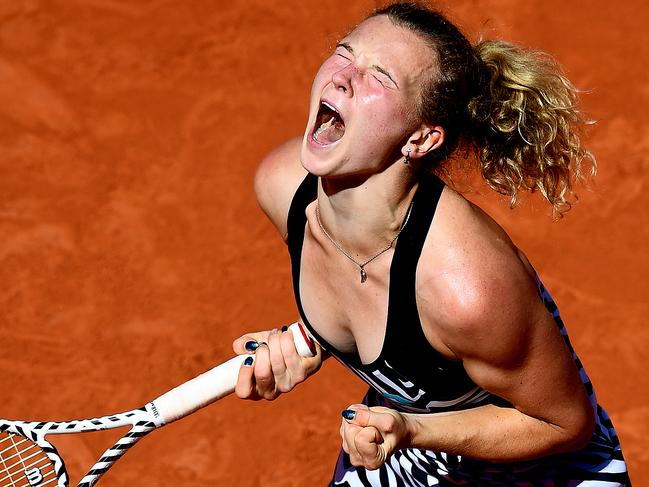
(154, 414)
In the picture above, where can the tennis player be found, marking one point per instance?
(472, 377)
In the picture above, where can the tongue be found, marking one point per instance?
(330, 133)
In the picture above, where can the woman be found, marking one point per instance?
(472, 378)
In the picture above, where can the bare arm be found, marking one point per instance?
(277, 179)
(479, 304)
(277, 367)
(519, 355)
(510, 346)
(479, 297)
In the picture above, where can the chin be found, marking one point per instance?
(315, 164)
(321, 160)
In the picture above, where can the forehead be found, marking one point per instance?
(393, 46)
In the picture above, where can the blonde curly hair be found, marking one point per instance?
(512, 106)
(527, 126)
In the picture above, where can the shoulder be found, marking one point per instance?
(278, 176)
(474, 287)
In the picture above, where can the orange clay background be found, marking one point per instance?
(132, 250)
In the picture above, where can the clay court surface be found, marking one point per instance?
(132, 250)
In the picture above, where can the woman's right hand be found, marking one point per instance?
(277, 367)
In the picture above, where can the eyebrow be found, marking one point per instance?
(349, 48)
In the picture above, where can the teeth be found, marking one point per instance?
(323, 127)
(329, 106)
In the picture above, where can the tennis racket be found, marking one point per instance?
(27, 459)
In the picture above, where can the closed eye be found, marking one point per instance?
(344, 50)
(386, 74)
(347, 48)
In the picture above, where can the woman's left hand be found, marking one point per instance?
(373, 434)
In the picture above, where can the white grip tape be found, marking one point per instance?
(214, 384)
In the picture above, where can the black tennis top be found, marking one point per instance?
(409, 373)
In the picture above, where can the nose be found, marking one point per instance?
(342, 79)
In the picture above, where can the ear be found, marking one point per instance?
(424, 140)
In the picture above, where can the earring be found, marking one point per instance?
(406, 160)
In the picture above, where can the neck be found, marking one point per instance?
(365, 215)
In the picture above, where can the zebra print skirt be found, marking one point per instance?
(600, 464)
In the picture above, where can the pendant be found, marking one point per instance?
(363, 275)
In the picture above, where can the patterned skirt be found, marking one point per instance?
(600, 464)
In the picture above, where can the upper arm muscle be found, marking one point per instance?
(478, 298)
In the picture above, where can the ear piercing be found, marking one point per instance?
(406, 160)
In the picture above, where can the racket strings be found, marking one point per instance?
(23, 463)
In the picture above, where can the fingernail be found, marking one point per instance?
(248, 361)
(349, 414)
(251, 346)
(284, 328)
(261, 343)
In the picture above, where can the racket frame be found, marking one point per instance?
(175, 404)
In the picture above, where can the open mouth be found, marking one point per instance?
(329, 126)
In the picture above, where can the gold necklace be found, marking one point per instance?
(346, 254)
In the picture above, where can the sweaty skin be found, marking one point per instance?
(475, 290)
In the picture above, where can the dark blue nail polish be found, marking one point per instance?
(251, 346)
(248, 361)
(349, 414)
(284, 328)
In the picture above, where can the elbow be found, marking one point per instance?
(580, 431)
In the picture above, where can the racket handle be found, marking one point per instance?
(214, 384)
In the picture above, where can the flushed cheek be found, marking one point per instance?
(322, 74)
(371, 98)
(381, 112)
